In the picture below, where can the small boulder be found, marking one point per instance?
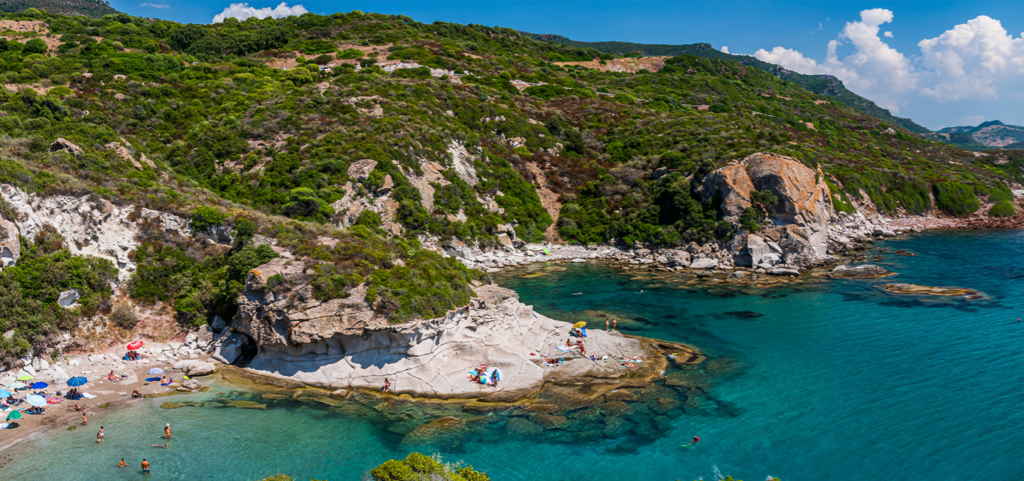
(191, 385)
(866, 271)
(218, 324)
(68, 298)
(702, 262)
(784, 272)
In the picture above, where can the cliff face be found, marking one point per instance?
(90, 226)
(800, 234)
(342, 343)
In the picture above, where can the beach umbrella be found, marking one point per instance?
(40, 385)
(14, 415)
(4, 393)
(580, 324)
(16, 385)
(77, 381)
(26, 378)
(36, 400)
(155, 370)
(135, 345)
(7, 380)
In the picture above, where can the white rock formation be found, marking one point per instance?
(90, 226)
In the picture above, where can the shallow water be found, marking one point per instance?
(834, 380)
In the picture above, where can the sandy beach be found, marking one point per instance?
(95, 367)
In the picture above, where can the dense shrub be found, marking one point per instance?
(417, 466)
(955, 198)
(28, 303)
(1002, 209)
(204, 218)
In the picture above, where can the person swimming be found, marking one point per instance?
(695, 440)
(122, 464)
(160, 446)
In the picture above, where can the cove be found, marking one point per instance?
(819, 380)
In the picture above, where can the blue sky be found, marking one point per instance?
(970, 70)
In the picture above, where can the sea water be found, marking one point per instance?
(834, 379)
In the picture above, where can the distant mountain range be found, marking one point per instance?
(989, 135)
(88, 8)
(826, 85)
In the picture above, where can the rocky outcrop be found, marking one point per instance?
(866, 271)
(344, 344)
(801, 215)
(89, 225)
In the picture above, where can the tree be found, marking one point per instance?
(183, 37)
(36, 45)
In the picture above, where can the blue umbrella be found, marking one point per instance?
(36, 400)
(155, 370)
(4, 393)
(77, 381)
(40, 385)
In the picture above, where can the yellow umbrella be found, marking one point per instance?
(580, 324)
(26, 378)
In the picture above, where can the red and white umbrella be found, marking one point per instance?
(135, 345)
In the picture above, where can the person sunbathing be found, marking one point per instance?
(164, 381)
(136, 394)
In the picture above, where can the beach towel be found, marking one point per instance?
(53, 400)
(152, 379)
(564, 349)
(88, 396)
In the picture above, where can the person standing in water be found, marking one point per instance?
(167, 431)
(122, 464)
(145, 466)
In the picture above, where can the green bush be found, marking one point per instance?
(956, 198)
(124, 316)
(1002, 209)
(418, 467)
(203, 218)
(36, 45)
(31, 288)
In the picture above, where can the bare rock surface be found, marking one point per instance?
(343, 344)
(90, 226)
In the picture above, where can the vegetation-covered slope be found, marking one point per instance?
(262, 122)
(825, 85)
(88, 8)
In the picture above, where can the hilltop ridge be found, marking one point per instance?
(825, 85)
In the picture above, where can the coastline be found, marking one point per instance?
(846, 233)
(108, 395)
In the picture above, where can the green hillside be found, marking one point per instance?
(247, 136)
(88, 8)
(825, 85)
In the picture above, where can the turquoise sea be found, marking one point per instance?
(822, 380)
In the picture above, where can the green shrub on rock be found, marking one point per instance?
(1002, 209)
(956, 198)
(417, 466)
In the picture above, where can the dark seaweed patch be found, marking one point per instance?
(744, 314)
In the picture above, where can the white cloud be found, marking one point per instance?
(972, 119)
(973, 60)
(820, 28)
(243, 11)
(976, 60)
(154, 5)
(874, 70)
(725, 49)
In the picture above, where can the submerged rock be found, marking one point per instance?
(436, 430)
(932, 291)
(866, 271)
